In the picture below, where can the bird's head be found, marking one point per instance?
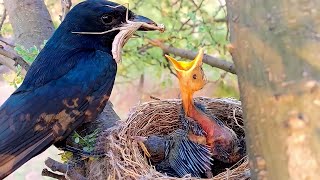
(91, 20)
(154, 147)
(190, 74)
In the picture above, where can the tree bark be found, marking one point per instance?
(276, 54)
(30, 20)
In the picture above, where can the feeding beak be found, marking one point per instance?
(148, 24)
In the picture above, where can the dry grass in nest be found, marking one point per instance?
(124, 158)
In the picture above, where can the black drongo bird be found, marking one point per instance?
(68, 84)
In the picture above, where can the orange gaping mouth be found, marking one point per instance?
(190, 74)
(185, 65)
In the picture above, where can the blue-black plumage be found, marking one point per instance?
(68, 84)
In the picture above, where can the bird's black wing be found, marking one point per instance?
(33, 119)
(187, 157)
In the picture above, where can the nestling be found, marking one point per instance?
(223, 142)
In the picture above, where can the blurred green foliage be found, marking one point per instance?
(27, 54)
(87, 142)
(190, 24)
(14, 78)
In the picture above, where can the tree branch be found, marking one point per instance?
(210, 60)
(11, 60)
(46, 172)
(65, 6)
(56, 166)
(6, 42)
(66, 169)
(3, 18)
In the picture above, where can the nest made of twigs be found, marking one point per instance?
(124, 158)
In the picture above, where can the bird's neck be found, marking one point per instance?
(193, 112)
(188, 104)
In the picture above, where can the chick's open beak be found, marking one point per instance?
(148, 24)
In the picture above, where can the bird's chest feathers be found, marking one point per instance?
(93, 70)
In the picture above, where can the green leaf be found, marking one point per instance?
(85, 149)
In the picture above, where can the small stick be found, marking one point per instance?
(65, 169)
(46, 172)
(56, 166)
(155, 98)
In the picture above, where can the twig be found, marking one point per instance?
(141, 83)
(5, 41)
(194, 11)
(220, 20)
(236, 120)
(69, 171)
(3, 18)
(46, 172)
(73, 174)
(13, 57)
(56, 166)
(210, 60)
(65, 6)
(155, 98)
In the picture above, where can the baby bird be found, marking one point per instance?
(176, 155)
(223, 142)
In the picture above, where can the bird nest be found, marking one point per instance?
(125, 159)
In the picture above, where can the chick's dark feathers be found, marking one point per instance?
(177, 156)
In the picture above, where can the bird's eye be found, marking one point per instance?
(106, 19)
(194, 76)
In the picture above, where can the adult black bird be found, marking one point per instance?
(68, 84)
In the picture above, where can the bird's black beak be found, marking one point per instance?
(148, 25)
